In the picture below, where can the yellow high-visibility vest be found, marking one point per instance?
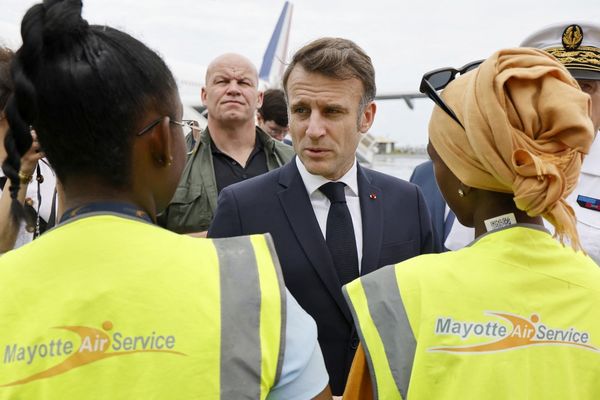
(106, 307)
(514, 316)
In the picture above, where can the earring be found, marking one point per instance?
(170, 161)
(461, 193)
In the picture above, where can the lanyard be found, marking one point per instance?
(107, 207)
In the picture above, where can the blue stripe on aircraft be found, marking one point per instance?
(265, 68)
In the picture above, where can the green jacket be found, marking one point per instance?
(195, 200)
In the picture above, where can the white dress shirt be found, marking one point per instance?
(588, 221)
(320, 203)
(459, 235)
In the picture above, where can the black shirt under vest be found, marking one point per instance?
(228, 171)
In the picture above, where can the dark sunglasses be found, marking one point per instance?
(440, 78)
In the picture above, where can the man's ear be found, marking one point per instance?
(203, 95)
(259, 100)
(160, 143)
(367, 117)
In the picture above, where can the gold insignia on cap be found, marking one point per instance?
(572, 37)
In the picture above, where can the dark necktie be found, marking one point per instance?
(340, 233)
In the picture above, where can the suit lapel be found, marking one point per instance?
(371, 209)
(436, 206)
(301, 216)
(439, 211)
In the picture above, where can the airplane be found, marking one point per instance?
(274, 59)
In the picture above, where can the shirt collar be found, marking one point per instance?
(258, 145)
(314, 182)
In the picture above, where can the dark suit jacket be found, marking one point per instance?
(396, 227)
(424, 177)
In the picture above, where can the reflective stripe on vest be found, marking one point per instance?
(247, 329)
(385, 331)
(177, 318)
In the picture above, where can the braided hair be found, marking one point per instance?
(84, 89)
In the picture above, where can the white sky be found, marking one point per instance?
(404, 38)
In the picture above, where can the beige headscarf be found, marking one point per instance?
(527, 127)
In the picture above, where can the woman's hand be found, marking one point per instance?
(30, 159)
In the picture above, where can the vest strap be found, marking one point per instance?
(251, 337)
(385, 331)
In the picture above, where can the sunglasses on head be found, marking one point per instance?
(440, 78)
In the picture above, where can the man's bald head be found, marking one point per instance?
(234, 61)
(230, 92)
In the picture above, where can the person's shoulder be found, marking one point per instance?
(285, 150)
(423, 262)
(267, 181)
(201, 147)
(413, 273)
(425, 167)
(388, 181)
(12, 257)
(83, 233)
(432, 270)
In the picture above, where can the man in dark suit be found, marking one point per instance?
(424, 177)
(330, 218)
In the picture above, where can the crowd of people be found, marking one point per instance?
(257, 259)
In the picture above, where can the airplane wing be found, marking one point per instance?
(407, 97)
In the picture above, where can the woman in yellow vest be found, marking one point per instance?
(107, 305)
(516, 314)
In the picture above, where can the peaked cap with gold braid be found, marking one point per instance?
(575, 45)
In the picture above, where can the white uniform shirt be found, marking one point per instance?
(588, 221)
(320, 202)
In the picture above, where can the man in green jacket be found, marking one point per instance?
(230, 150)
